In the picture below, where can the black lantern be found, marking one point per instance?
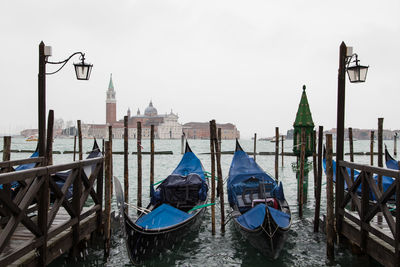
(357, 73)
(83, 69)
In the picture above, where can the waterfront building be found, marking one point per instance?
(201, 130)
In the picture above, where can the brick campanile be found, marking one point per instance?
(111, 104)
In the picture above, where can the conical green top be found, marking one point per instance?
(111, 85)
(303, 116)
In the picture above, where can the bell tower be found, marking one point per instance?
(111, 103)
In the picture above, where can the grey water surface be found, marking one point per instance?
(302, 248)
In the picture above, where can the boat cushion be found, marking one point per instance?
(281, 219)
(161, 217)
(253, 218)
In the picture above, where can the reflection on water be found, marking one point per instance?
(302, 248)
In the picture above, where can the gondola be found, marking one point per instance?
(391, 163)
(15, 185)
(60, 177)
(386, 181)
(260, 211)
(176, 208)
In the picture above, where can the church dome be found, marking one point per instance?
(150, 110)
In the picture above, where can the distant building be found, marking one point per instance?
(28, 132)
(166, 126)
(201, 130)
(111, 104)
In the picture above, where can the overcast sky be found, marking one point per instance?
(243, 62)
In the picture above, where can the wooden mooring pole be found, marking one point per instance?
(282, 154)
(380, 159)
(315, 163)
(352, 207)
(330, 232)
(152, 155)
(6, 148)
(139, 165)
(220, 182)
(74, 147)
(371, 148)
(318, 180)
(49, 142)
(255, 146)
(7, 157)
(212, 150)
(110, 137)
(107, 198)
(126, 168)
(276, 152)
(395, 144)
(301, 174)
(183, 143)
(80, 140)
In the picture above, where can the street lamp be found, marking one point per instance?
(357, 73)
(82, 70)
(348, 61)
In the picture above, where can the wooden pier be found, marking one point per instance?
(38, 223)
(374, 227)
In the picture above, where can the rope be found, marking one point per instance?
(143, 210)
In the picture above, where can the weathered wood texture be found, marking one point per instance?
(376, 235)
(25, 234)
(49, 142)
(80, 140)
(126, 168)
(329, 201)
(255, 147)
(139, 165)
(212, 153)
(220, 180)
(301, 173)
(318, 180)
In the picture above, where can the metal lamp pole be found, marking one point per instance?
(82, 70)
(340, 133)
(42, 101)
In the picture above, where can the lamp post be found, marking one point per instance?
(82, 70)
(357, 73)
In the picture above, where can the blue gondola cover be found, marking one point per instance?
(163, 216)
(281, 219)
(253, 218)
(386, 181)
(242, 168)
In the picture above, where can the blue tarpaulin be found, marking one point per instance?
(242, 168)
(163, 216)
(253, 218)
(189, 164)
(281, 219)
(386, 181)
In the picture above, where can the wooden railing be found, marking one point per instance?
(367, 207)
(36, 185)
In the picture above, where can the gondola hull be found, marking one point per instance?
(143, 244)
(260, 211)
(269, 245)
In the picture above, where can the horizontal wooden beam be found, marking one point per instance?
(6, 178)
(367, 168)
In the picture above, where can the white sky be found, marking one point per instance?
(234, 61)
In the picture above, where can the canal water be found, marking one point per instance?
(302, 248)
